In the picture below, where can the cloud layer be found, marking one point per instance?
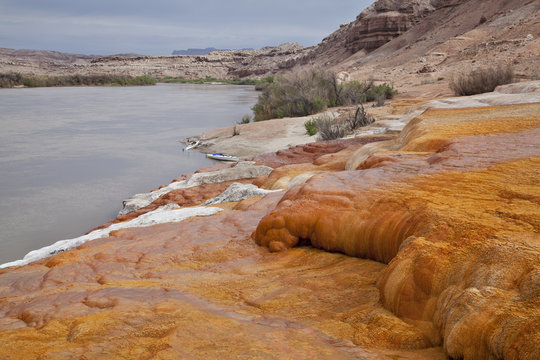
(160, 26)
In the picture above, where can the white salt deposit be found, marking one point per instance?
(170, 213)
(238, 192)
(243, 170)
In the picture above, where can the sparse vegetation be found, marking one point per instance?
(330, 129)
(13, 80)
(311, 91)
(358, 120)
(209, 80)
(481, 80)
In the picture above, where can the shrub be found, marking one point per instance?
(297, 94)
(246, 119)
(262, 84)
(354, 92)
(311, 91)
(383, 90)
(481, 81)
(329, 129)
(10, 80)
(311, 127)
(359, 119)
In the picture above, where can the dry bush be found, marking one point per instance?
(481, 80)
(330, 129)
(359, 119)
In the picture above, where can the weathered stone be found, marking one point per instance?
(457, 194)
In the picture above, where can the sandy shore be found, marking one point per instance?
(270, 136)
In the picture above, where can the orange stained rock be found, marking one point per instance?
(454, 210)
(429, 131)
(310, 152)
(200, 289)
(300, 162)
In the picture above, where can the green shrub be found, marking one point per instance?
(311, 91)
(10, 80)
(481, 81)
(297, 94)
(262, 84)
(311, 127)
(246, 119)
(354, 92)
(383, 90)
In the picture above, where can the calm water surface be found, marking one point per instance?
(69, 156)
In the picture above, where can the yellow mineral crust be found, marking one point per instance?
(200, 289)
(453, 206)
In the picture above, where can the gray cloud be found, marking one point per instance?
(157, 27)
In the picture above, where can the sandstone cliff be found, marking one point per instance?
(217, 64)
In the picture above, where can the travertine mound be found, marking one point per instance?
(452, 205)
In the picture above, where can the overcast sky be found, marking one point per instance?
(158, 27)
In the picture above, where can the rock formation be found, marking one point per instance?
(429, 246)
(443, 204)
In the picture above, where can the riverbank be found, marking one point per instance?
(18, 80)
(424, 217)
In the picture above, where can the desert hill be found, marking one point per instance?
(408, 43)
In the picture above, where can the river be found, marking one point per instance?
(69, 156)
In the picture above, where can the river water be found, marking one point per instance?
(69, 156)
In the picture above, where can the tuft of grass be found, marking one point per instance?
(311, 127)
(481, 80)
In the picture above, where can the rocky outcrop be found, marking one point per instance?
(383, 21)
(217, 64)
(375, 26)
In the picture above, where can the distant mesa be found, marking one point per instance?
(200, 51)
